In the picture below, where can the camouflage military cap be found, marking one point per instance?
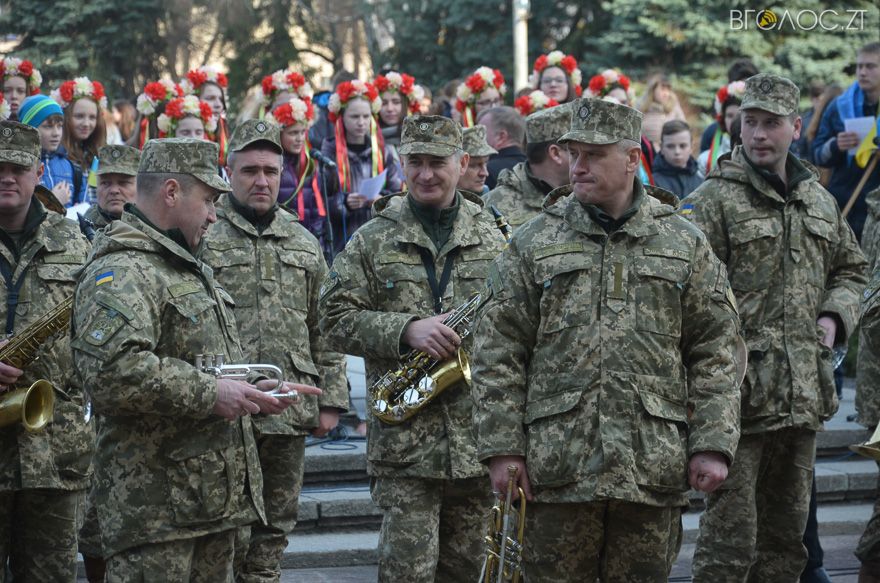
(118, 160)
(434, 135)
(473, 141)
(197, 158)
(771, 93)
(19, 143)
(255, 130)
(548, 125)
(596, 121)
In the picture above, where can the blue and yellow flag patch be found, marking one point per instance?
(686, 209)
(103, 278)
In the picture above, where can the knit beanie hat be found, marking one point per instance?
(35, 109)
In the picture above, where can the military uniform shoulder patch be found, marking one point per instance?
(330, 283)
(686, 210)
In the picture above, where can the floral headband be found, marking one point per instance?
(601, 85)
(284, 80)
(198, 77)
(5, 110)
(403, 84)
(14, 67)
(534, 101)
(482, 79)
(736, 90)
(293, 112)
(352, 90)
(565, 62)
(181, 107)
(79, 88)
(155, 93)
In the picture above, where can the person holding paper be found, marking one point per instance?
(360, 153)
(837, 140)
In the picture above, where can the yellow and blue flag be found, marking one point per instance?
(103, 278)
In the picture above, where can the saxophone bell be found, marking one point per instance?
(33, 406)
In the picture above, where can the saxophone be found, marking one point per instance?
(32, 406)
(400, 394)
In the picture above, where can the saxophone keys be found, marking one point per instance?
(412, 396)
(380, 406)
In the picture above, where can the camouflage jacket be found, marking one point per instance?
(871, 230)
(376, 287)
(606, 360)
(59, 456)
(516, 196)
(868, 367)
(274, 278)
(166, 468)
(789, 260)
(99, 220)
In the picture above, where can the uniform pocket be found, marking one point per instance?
(199, 484)
(661, 279)
(305, 412)
(660, 446)
(555, 439)
(296, 265)
(754, 236)
(567, 291)
(72, 438)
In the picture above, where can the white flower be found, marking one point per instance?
(55, 94)
(418, 93)
(394, 80)
(610, 75)
(463, 92)
(12, 65)
(82, 87)
(269, 118)
(211, 124)
(539, 100)
(145, 105)
(534, 79)
(503, 89)
(576, 77)
(554, 58)
(375, 105)
(334, 104)
(305, 90)
(5, 110)
(164, 123)
(103, 102)
(191, 106)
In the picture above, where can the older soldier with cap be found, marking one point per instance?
(521, 190)
(424, 253)
(473, 142)
(43, 471)
(605, 362)
(796, 271)
(176, 467)
(117, 172)
(273, 268)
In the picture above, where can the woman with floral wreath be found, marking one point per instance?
(20, 80)
(558, 76)
(400, 97)
(209, 85)
(532, 102)
(300, 191)
(85, 132)
(484, 89)
(360, 152)
(727, 102)
(150, 105)
(277, 89)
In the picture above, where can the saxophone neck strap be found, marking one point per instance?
(438, 289)
(13, 287)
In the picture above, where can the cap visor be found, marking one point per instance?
(597, 138)
(18, 157)
(112, 170)
(769, 107)
(442, 150)
(214, 182)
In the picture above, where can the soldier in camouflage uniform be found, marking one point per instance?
(796, 271)
(473, 142)
(604, 365)
(273, 268)
(117, 170)
(176, 466)
(521, 190)
(44, 473)
(387, 293)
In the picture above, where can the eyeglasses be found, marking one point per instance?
(553, 81)
(489, 102)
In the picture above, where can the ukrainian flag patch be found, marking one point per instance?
(103, 278)
(686, 209)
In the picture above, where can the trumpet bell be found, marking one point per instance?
(33, 407)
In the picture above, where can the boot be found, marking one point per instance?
(96, 568)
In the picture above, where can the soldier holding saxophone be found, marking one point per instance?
(424, 253)
(43, 472)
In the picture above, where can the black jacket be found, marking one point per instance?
(679, 181)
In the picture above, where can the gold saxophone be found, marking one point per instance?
(33, 406)
(402, 393)
(504, 539)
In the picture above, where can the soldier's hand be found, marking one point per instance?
(828, 324)
(233, 399)
(272, 405)
(432, 336)
(8, 373)
(498, 476)
(328, 419)
(707, 470)
(847, 140)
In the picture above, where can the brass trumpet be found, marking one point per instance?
(871, 448)
(503, 560)
(214, 364)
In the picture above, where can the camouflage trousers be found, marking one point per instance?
(612, 541)
(868, 549)
(432, 530)
(259, 547)
(90, 534)
(204, 559)
(753, 526)
(39, 534)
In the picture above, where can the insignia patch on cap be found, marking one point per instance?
(7, 132)
(424, 126)
(766, 86)
(584, 111)
(262, 127)
(115, 154)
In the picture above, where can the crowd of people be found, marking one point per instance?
(662, 318)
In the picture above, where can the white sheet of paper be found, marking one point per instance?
(81, 207)
(371, 187)
(859, 125)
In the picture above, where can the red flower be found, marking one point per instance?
(578, 90)
(476, 84)
(99, 90)
(597, 84)
(371, 92)
(345, 91)
(206, 113)
(407, 85)
(267, 85)
(197, 77)
(382, 83)
(66, 91)
(296, 80)
(2, 68)
(310, 108)
(283, 114)
(523, 104)
(623, 81)
(721, 96)
(174, 108)
(540, 63)
(569, 64)
(222, 80)
(155, 91)
(26, 68)
(498, 81)
(460, 105)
